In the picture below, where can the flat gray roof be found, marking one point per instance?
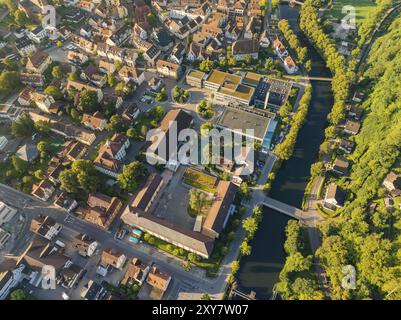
(239, 119)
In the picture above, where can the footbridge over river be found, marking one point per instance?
(292, 3)
(282, 207)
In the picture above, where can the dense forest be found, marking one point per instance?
(368, 239)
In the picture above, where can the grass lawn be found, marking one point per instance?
(326, 213)
(362, 8)
(200, 180)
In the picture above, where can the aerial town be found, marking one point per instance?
(94, 206)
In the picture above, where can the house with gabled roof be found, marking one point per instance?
(136, 272)
(44, 190)
(110, 155)
(92, 74)
(100, 209)
(242, 48)
(289, 65)
(97, 121)
(169, 69)
(392, 183)
(25, 96)
(352, 127)
(335, 197)
(127, 74)
(77, 57)
(38, 62)
(80, 86)
(114, 258)
(341, 165)
(85, 245)
(46, 227)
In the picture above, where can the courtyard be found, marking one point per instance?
(173, 204)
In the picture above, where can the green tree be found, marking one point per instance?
(245, 248)
(44, 146)
(245, 191)
(152, 20)
(275, 4)
(193, 257)
(128, 179)
(206, 127)
(317, 169)
(76, 115)
(20, 166)
(8, 81)
(307, 289)
(69, 181)
(88, 101)
(72, 76)
(54, 92)
(250, 225)
(23, 126)
(57, 73)
(206, 65)
(235, 267)
(297, 263)
(162, 95)
(42, 127)
(248, 59)
(115, 124)
(86, 175)
(10, 64)
(157, 113)
(120, 88)
(131, 133)
(197, 200)
(20, 17)
(111, 79)
(39, 174)
(269, 64)
(205, 296)
(19, 294)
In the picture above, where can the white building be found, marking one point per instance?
(3, 143)
(38, 34)
(9, 280)
(6, 213)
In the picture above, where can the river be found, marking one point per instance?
(259, 272)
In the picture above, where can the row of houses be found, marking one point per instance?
(42, 252)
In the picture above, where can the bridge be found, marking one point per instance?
(251, 296)
(292, 3)
(309, 78)
(282, 207)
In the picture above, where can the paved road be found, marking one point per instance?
(314, 233)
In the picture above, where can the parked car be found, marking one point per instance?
(133, 240)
